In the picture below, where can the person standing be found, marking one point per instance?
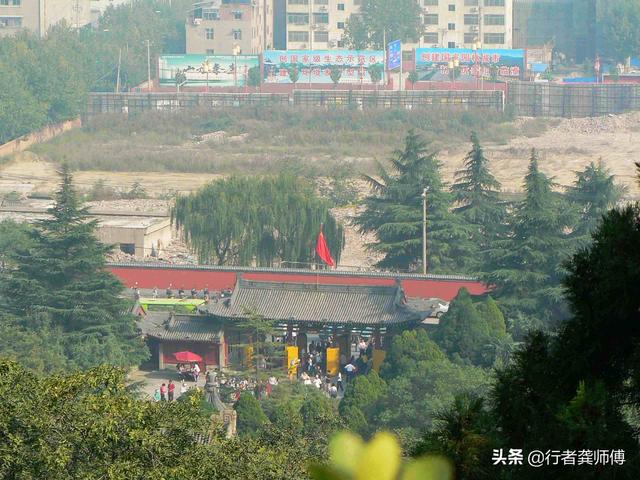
(196, 371)
(340, 387)
(171, 388)
(163, 392)
(350, 369)
(155, 293)
(333, 391)
(156, 395)
(183, 388)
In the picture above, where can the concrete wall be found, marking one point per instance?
(157, 236)
(143, 237)
(47, 133)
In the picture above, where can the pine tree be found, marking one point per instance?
(477, 193)
(60, 276)
(394, 213)
(594, 193)
(526, 267)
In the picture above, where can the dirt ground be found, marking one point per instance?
(563, 149)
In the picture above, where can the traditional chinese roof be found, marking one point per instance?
(168, 326)
(316, 303)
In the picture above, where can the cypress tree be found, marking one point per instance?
(59, 279)
(593, 194)
(477, 194)
(526, 266)
(394, 213)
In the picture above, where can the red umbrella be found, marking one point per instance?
(187, 357)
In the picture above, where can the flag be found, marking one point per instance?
(322, 249)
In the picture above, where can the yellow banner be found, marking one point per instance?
(378, 358)
(292, 360)
(248, 356)
(333, 361)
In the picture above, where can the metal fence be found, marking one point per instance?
(566, 100)
(449, 99)
(132, 103)
(140, 102)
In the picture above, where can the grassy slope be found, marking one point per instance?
(307, 142)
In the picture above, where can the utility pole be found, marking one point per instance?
(118, 78)
(148, 66)
(424, 231)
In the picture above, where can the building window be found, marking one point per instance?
(13, 3)
(452, 7)
(237, 34)
(298, 18)
(10, 22)
(470, 19)
(451, 45)
(16, 3)
(494, 19)
(494, 3)
(431, 37)
(430, 3)
(237, 15)
(298, 2)
(341, 42)
(320, 36)
(341, 6)
(451, 26)
(470, 3)
(494, 38)
(341, 25)
(209, 14)
(210, 51)
(321, 18)
(470, 37)
(321, 2)
(298, 36)
(208, 33)
(431, 19)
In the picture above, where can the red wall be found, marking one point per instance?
(189, 278)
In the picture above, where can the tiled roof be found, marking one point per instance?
(193, 328)
(317, 303)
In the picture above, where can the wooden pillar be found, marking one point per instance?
(301, 341)
(160, 357)
(222, 358)
(377, 340)
(289, 337)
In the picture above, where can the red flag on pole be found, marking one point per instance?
(322, 249)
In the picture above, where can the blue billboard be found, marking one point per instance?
(394, 59)
(432, 64)
(211, 70)
(314, 66)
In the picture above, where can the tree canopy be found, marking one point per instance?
(242, 220)
(57, 285)
(397, 19)
(618, 34)
(394, 212)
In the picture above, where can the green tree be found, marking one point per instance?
(253, 77)
(477, 193)
(526, 265)
(375, 72)
(398, 19)
(335, 74)
(251, 418)
(617, 29)
(262, 220)
(594, 193)
(413, 78)
(463, 333)
(361, 402)
(394, 212)
(294, 74)
(61, 276)
(460, 435)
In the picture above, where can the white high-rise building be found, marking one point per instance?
(39, 15)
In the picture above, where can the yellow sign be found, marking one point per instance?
(333, 361)
(292, 361)
(378, 358)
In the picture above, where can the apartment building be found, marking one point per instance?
(230, 27)
(461, 23)
(39, 15)
(318, 24)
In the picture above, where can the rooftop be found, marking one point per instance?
(317, 303)
(167, 326)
